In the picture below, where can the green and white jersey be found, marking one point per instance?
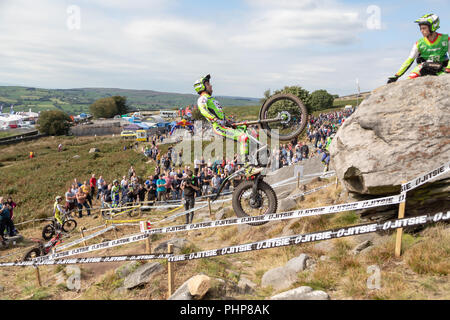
(210, 108)
(435, 51)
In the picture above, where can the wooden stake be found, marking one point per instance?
(148, 245)
(209, 207)
(398, 239)
(38, 276)
(82, 235)
(170, 271)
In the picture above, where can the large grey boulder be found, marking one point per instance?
(199, 285)
(143, 274)
(362, 246)
(401, 131)
(178, 244)
(246, 286)
(182, 293)
(298, 264)
(287, 204)
(279, 278)
(301, 293)
(127, 268)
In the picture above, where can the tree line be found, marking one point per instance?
(57, 122)
(315, 101)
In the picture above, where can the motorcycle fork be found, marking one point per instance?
(255, 187)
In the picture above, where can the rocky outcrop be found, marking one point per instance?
(286, 205)
(142, 275)
(199, 285)
(246, 286)
(178, 244)
(283, 277)
(301, 293)
(125, 269)
(182, 293)
(399, 132)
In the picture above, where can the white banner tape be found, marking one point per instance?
(74, 243)
(233, 221)
(88, 260)
(314, 236)
(426, 177)
(258, 245)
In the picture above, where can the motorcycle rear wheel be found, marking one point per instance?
(31, 254)
(69, 225)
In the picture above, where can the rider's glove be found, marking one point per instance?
(222, 123)
(392, 79)
(225, 123)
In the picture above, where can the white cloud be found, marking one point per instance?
(273, 44)
(294, 23)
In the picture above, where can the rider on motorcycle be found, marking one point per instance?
(433, 47)
(58, 210)
(211, 109)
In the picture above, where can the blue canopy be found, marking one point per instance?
(134, 120)
(143, 125)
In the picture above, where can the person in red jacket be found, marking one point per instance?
(93, 184)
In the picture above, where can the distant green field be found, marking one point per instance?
(75, 101)
(243, 112)
(343, 103)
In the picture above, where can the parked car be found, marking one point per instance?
(128, 134)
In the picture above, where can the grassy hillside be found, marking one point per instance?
(75, 101)
(422, 272)
(34, 183)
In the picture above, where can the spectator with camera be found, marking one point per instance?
(189, 185)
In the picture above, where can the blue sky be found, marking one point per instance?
(247, 46)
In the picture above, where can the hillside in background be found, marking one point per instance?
(75, 101)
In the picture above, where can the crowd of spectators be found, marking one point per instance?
(320, 127)
(172, 181)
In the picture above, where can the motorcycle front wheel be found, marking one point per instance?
(290, 110)
(48, 232)
(247, 205)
